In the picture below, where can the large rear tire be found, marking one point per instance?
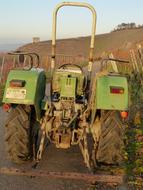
(18, 134)
(110, 148)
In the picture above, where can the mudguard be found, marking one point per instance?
(112, 93)
(31, 92)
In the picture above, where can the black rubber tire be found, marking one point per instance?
(18, 134)
(111, 143)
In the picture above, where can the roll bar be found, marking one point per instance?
(54, 31)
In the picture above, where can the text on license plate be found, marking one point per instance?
(12, 93)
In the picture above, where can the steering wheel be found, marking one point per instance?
(64, 66)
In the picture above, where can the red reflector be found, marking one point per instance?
(116, 90)
(6, 107)
(124, 114)
(17, 83)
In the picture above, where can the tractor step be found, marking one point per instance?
(89, 178)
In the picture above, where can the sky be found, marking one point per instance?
(22, 20)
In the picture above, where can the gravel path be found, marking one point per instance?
(53, 160)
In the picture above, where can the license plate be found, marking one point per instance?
(19, 94)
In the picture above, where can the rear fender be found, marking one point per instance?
(106, 98)
(31, 93)
(112, 93)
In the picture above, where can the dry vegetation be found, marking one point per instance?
(80, 46)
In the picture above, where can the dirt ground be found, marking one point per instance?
(53, 160)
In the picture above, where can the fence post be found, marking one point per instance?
(1, 71)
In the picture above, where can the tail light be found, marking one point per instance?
(116, 90)
(17, 83)
(124, 114)
(6, 107)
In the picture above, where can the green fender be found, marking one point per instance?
(31, 93)
(105, 99)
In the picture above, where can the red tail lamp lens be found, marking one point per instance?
(116, 90)
(6, 107)
(124, 114)
(17, 83)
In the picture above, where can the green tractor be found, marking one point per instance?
(73, 108)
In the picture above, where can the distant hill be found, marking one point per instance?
(80, 46)
(9, 47)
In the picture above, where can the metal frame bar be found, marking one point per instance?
(54, 31)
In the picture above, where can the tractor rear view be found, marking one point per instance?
(73, 108)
